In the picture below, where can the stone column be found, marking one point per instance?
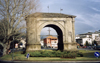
(65, 32)
(74, 44)
(70, 46)
(32, 43)
(65, 43)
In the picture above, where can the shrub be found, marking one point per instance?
(18, 52)
(79, 54)
(58, 53)
(46, 53)
(35, 54)
(68, 55)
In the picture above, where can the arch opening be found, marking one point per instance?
(59, 35)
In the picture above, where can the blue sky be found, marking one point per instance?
(87, 12)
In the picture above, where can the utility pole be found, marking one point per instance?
(13, 50)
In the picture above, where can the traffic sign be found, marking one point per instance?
(28, 55)
(96, 54)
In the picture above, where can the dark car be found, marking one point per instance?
(89, 47)
(96, 47)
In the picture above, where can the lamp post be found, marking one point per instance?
(13, 50)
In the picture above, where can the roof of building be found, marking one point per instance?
(97, 32)
(51, 37)
(51, 15)
(97, 39)
(89, 33)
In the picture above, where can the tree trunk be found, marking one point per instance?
(5, 50)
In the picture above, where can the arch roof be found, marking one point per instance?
(51, 15)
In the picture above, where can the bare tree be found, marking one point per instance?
(13, 13)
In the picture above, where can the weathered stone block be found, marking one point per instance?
(33, 47)
(70, 46)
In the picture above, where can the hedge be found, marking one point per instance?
(64, 54)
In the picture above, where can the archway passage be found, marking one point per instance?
(62, 23)
(60, 35)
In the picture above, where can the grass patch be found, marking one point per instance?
(87, 56)
(89, 53)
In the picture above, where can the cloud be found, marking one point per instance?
(87, 12)
(95, 9)
(87, 23)
(45, 31)
(82, 28)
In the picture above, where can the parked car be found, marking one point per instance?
(96, 47)
(84, 47)
(89, 47)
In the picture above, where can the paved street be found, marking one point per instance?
(50, 62)
(87, 49)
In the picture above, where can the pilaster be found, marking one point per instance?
(73, 29)
(32, 41)
(33, 47)
(70, 46)
(65, 32)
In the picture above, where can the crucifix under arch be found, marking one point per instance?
(49, 30)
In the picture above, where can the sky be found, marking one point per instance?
(87, 12)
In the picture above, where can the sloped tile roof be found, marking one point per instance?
(50, 37)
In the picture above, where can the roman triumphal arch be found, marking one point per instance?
(62, 23)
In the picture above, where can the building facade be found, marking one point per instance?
(51, 42)
(82, 40)
(22, 43)
(89, 37)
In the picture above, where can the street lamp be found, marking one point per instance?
(13, 50)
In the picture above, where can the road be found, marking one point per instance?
(86, 49)
(49, 61)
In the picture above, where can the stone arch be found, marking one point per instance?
(50, 22)
(62, 22)
(59, 29)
